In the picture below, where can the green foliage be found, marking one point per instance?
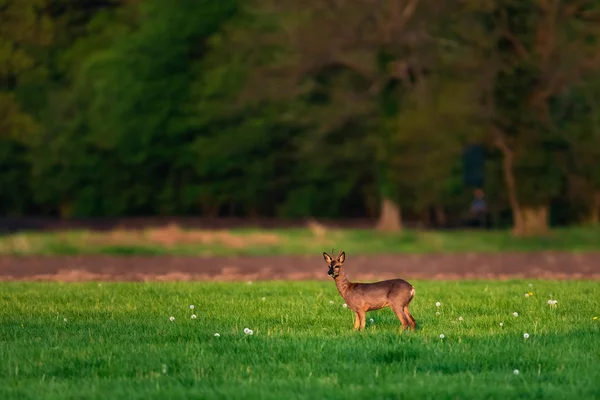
(122, 125)
(435, 124)
(116, 340)
(24, 31)
(577, 116)
(293, 109)
(545, 49)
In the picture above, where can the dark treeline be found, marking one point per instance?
(301, 108)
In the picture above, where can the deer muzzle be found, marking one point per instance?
(333, 273)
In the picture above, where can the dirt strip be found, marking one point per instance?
(553, 265)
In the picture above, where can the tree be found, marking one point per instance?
(534, 50)
(576, 114)
(343, 58)
(124, 149)
(16, 128)
(66, 166)
(25, 29)
(439, 118)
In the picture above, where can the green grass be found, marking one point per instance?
(117, 342)
(292, 241)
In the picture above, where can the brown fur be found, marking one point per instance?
(363, 297)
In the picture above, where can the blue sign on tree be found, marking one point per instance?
(474, 166)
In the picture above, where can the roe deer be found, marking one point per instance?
(363, 297)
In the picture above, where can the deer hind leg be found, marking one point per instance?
(398, 310)
(411, 319)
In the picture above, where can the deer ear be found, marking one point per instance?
(327, 258)
(342, 257)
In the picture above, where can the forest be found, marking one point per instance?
(391, 109)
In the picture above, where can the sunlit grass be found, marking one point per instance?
(289, 241)
(116, 340)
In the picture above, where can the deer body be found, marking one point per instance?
(362, 297)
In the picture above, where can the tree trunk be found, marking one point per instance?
(425, 218)
(526, 220)
(209, 209)
(535, 220)
(511, 187)
(253, 212)
(389, 212)
(389, 216)
(440, 216)
(65, 210)
(595, 211)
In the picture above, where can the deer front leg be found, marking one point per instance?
(356, 321)
(363, 318)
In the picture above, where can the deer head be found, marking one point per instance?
(335, 265)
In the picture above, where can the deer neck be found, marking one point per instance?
(344, 286)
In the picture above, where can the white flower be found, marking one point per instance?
(330, 301)
(263, 298)
(516, 372)
(526, 294)
(345, 305)
(193, 316)
(442, 336)
(526, 335)
(437, 313)
(501, 324)
(248, 331)
(371, 320)
(554, 302)
(172, 318)
(516, 314)
(438, 304)
(217, 334)
(550, 302)
(65, 320)
(460, 318)
(191, 306)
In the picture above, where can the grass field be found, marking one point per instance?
(116, 341)
(176, 241)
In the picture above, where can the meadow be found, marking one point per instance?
(141, 341)
(173, 240)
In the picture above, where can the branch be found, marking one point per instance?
(574, 8)
(519, 48)
(377, 86)
(353, 66)
(544, 93)
(505, 32)
(545, 40)
(334, 4)
(500, 141)
(408, 12)
(395, 19)
(591, 63)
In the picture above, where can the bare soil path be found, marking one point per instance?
(550, 265)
